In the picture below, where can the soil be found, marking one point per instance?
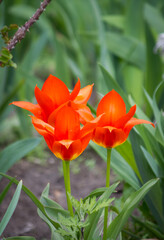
(25, 220)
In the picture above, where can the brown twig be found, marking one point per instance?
(0, 1)
(21, 32)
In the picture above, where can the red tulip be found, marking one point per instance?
(55, 94)
(115, 125)
(65, 138)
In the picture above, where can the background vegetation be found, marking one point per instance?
(110, 43)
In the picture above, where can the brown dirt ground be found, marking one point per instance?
(25, 220)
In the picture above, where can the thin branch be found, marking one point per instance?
(1, 1)
(20, 34)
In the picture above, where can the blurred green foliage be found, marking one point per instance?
(109, 43)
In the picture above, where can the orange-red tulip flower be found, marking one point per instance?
(55, 94)
(115, 125)
(66, 139)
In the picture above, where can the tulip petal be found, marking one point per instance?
(84, 113)
(49, 140)
(67, 124)
(44, 101)
(113, 105)
(90, 126)
(56, 90)
(33, 108)
(120, 123)
(75, 91)
(134, 121)
(108, 138)
(61, 151)
(42, 127)
(84, 95)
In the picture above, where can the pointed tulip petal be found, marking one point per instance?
(49, 140)
(56, 90)
(42, 127)
(44, 101)
(52, 116)
(75, 91)
(90, 126)
(33, 108)
(84, 95)
(84, 113)
(66, 143)
(113, 105)
(120, 123)
(67, 124)
(69, 154)
(134, 121)
(108, 138)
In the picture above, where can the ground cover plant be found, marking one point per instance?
(113, 45)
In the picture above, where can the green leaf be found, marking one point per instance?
(153, 63)
(158, 172)
(128, 48)
(53, 212)
(111, 83)
(124, 170)
(4, 192)
(10, 96)
(11, 208)
(16, 151)
(157, 22)
(152, 228)
(117, 21)
(131, 203)
(91, 228)
(33, 198)
(97, 192)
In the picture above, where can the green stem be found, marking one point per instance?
(107, 185)
(66, 173)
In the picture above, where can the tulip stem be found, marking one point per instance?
(107, 185)
(66, 172)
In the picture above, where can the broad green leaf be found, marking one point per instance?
(11, 208)
(153, 63)
(97, 192)
(158, 172)
(133, 81)
(126, 152)
(134, 19)
(45, 193)
(152, 228)
(157, 21)
(16, 151)
(154, 198)
(10, 96)
(127, 48)
(131, 203)
(33, 198)
(158, 114)
(111, 83)
(91, 228)
(5, 191)
(124, 170)
(117, 21)
(53, 212)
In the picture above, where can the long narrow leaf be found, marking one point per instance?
(11, 208)
(131, 203)
(33, 198)
(16, 151)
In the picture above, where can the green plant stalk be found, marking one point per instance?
(107, 185)
(66, 172)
